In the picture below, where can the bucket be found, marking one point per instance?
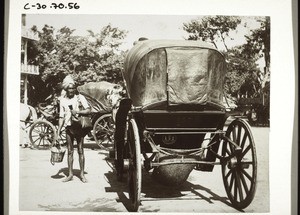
(57, 155)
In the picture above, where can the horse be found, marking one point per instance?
(28, 115)
(114, 97)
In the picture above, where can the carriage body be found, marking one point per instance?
(176, 88)
(174, 116)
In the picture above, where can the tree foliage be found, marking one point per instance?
(258, 45)
(241, 72)
(95, 57)
(212, 28)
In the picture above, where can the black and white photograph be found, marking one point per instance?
(146, 112)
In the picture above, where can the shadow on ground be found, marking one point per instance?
(154, 191)
(65, 172)
(151, 191)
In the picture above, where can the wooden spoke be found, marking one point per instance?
(244, 140)
(245, 151)
(238, 135)
(238, 180)
(230, 145)
(231, 182)
(40, 142)
(244, 183)
(228, 152)
(235, 189)
(228, 174)
(247, 175)
(234, 134)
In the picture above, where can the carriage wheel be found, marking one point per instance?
(135, 168)
(42, 134)
(103, 130)
(239, 173)
(62, 137)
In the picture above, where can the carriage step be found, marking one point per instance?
(204, 167)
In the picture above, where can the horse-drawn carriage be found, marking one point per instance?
(173, 121)
(257, 109)
(42, 133)
(100, 97)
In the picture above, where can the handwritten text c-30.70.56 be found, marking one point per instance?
(59, 6)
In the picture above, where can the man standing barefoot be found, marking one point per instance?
(69, 113)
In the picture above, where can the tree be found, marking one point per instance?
(37, 54)
(212, 29)
(110, 62)
(95, 57)
(258, 45)
(241, 72)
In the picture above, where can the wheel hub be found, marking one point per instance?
(233, 162)
(126, 164)
(42, 135)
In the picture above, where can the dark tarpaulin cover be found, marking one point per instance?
(195, 76)
(184, 72)
(149, 83)
(142, 48)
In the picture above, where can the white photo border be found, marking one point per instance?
(282, 77)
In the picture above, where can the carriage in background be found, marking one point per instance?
(102, 97)
(173, 121)
(43, 135)
(257, 109)
(42, 132)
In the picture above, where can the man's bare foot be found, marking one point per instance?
(83, 179)
(69, 178)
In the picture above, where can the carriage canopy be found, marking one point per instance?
(180, 72)
(95, 93)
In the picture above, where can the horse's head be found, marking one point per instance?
(114, 95)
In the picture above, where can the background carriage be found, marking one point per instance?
(42, 132)
(98, 95)
(257, 109)
(173, 121)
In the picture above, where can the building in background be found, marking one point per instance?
(26, 69)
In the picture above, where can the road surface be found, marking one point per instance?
(42, 189)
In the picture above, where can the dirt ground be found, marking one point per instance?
(41, 187)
